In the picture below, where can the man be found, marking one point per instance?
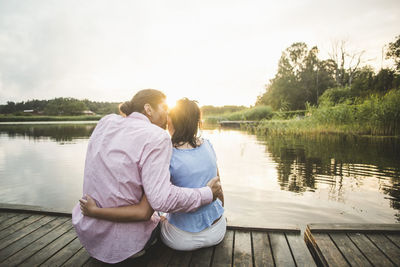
(126, 157)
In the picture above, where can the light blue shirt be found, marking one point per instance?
(193, 168)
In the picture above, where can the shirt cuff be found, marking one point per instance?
(206, 195)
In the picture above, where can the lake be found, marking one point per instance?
(267, 181)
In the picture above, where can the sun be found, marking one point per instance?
(171, 102)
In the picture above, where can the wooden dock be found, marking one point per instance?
(354, 244)
(34, 236)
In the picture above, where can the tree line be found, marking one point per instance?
(302, 78)
(59, 106)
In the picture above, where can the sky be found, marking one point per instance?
(218, 52)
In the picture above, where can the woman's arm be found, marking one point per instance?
(133, 213)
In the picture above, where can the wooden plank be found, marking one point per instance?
(5, 216)
(36, 246)
(5, 207)
(161, 255)
(202, 257)
(28, 239)
(64, 254)
(352, 254)
(180, 258)
(370, 251)
(50, 249)
(280, 250)
(12, 221)
(280, 229)
(80, 258)
(354, 227)
(24, 231)
(262, 249)
(242, 255)
(92, 262)
(386, 246)
(324, 250)
(394, 238)
(299, 250)
(223, 251)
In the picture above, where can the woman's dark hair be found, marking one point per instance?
(136, 104)
(186, 118)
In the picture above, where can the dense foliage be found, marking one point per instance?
(301, 78)
(304, 79)
(375, 115)
(59, 106)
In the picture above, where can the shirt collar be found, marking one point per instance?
(139, 116)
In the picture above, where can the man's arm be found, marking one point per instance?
(161, 194)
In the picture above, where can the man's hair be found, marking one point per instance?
(136, 104)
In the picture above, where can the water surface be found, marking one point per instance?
(267, 181)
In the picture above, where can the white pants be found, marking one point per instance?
(178, 239)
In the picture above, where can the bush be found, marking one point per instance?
(252, 114)
(334, 96)
(376, 115)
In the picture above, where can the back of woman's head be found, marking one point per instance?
(186, 118)
(136, 104)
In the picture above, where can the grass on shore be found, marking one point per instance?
(13, 118)
(377, 115)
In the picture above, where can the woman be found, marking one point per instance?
(193, 164)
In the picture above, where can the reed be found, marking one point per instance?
(376, 115)
(250, 114)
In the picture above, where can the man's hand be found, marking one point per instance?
(215, 185)
(88, 206)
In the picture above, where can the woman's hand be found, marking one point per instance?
(88, 206)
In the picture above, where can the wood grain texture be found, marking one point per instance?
(325, 250)
(387, 247)
(300, 252)
(36, 246)
(352, 254)
(242, 255)
(262, 249)
(202, 257)
(354, 227)
(281, 250)
(30, 238)
(223, 251)
(52, 248)
(25, 230)
(369, 250)
(78, 259)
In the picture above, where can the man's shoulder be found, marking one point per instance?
(156, 133)
(109, 117)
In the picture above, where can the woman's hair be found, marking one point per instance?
(186, 118)
(136, 104)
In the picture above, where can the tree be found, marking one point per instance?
(383, 81)
(394, 52)
(347, 63)
(363, 81)
(301, 78)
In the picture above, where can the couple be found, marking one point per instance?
(133, 168)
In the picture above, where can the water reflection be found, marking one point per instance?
(57, 132)
(341, 162)
(268, 181)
